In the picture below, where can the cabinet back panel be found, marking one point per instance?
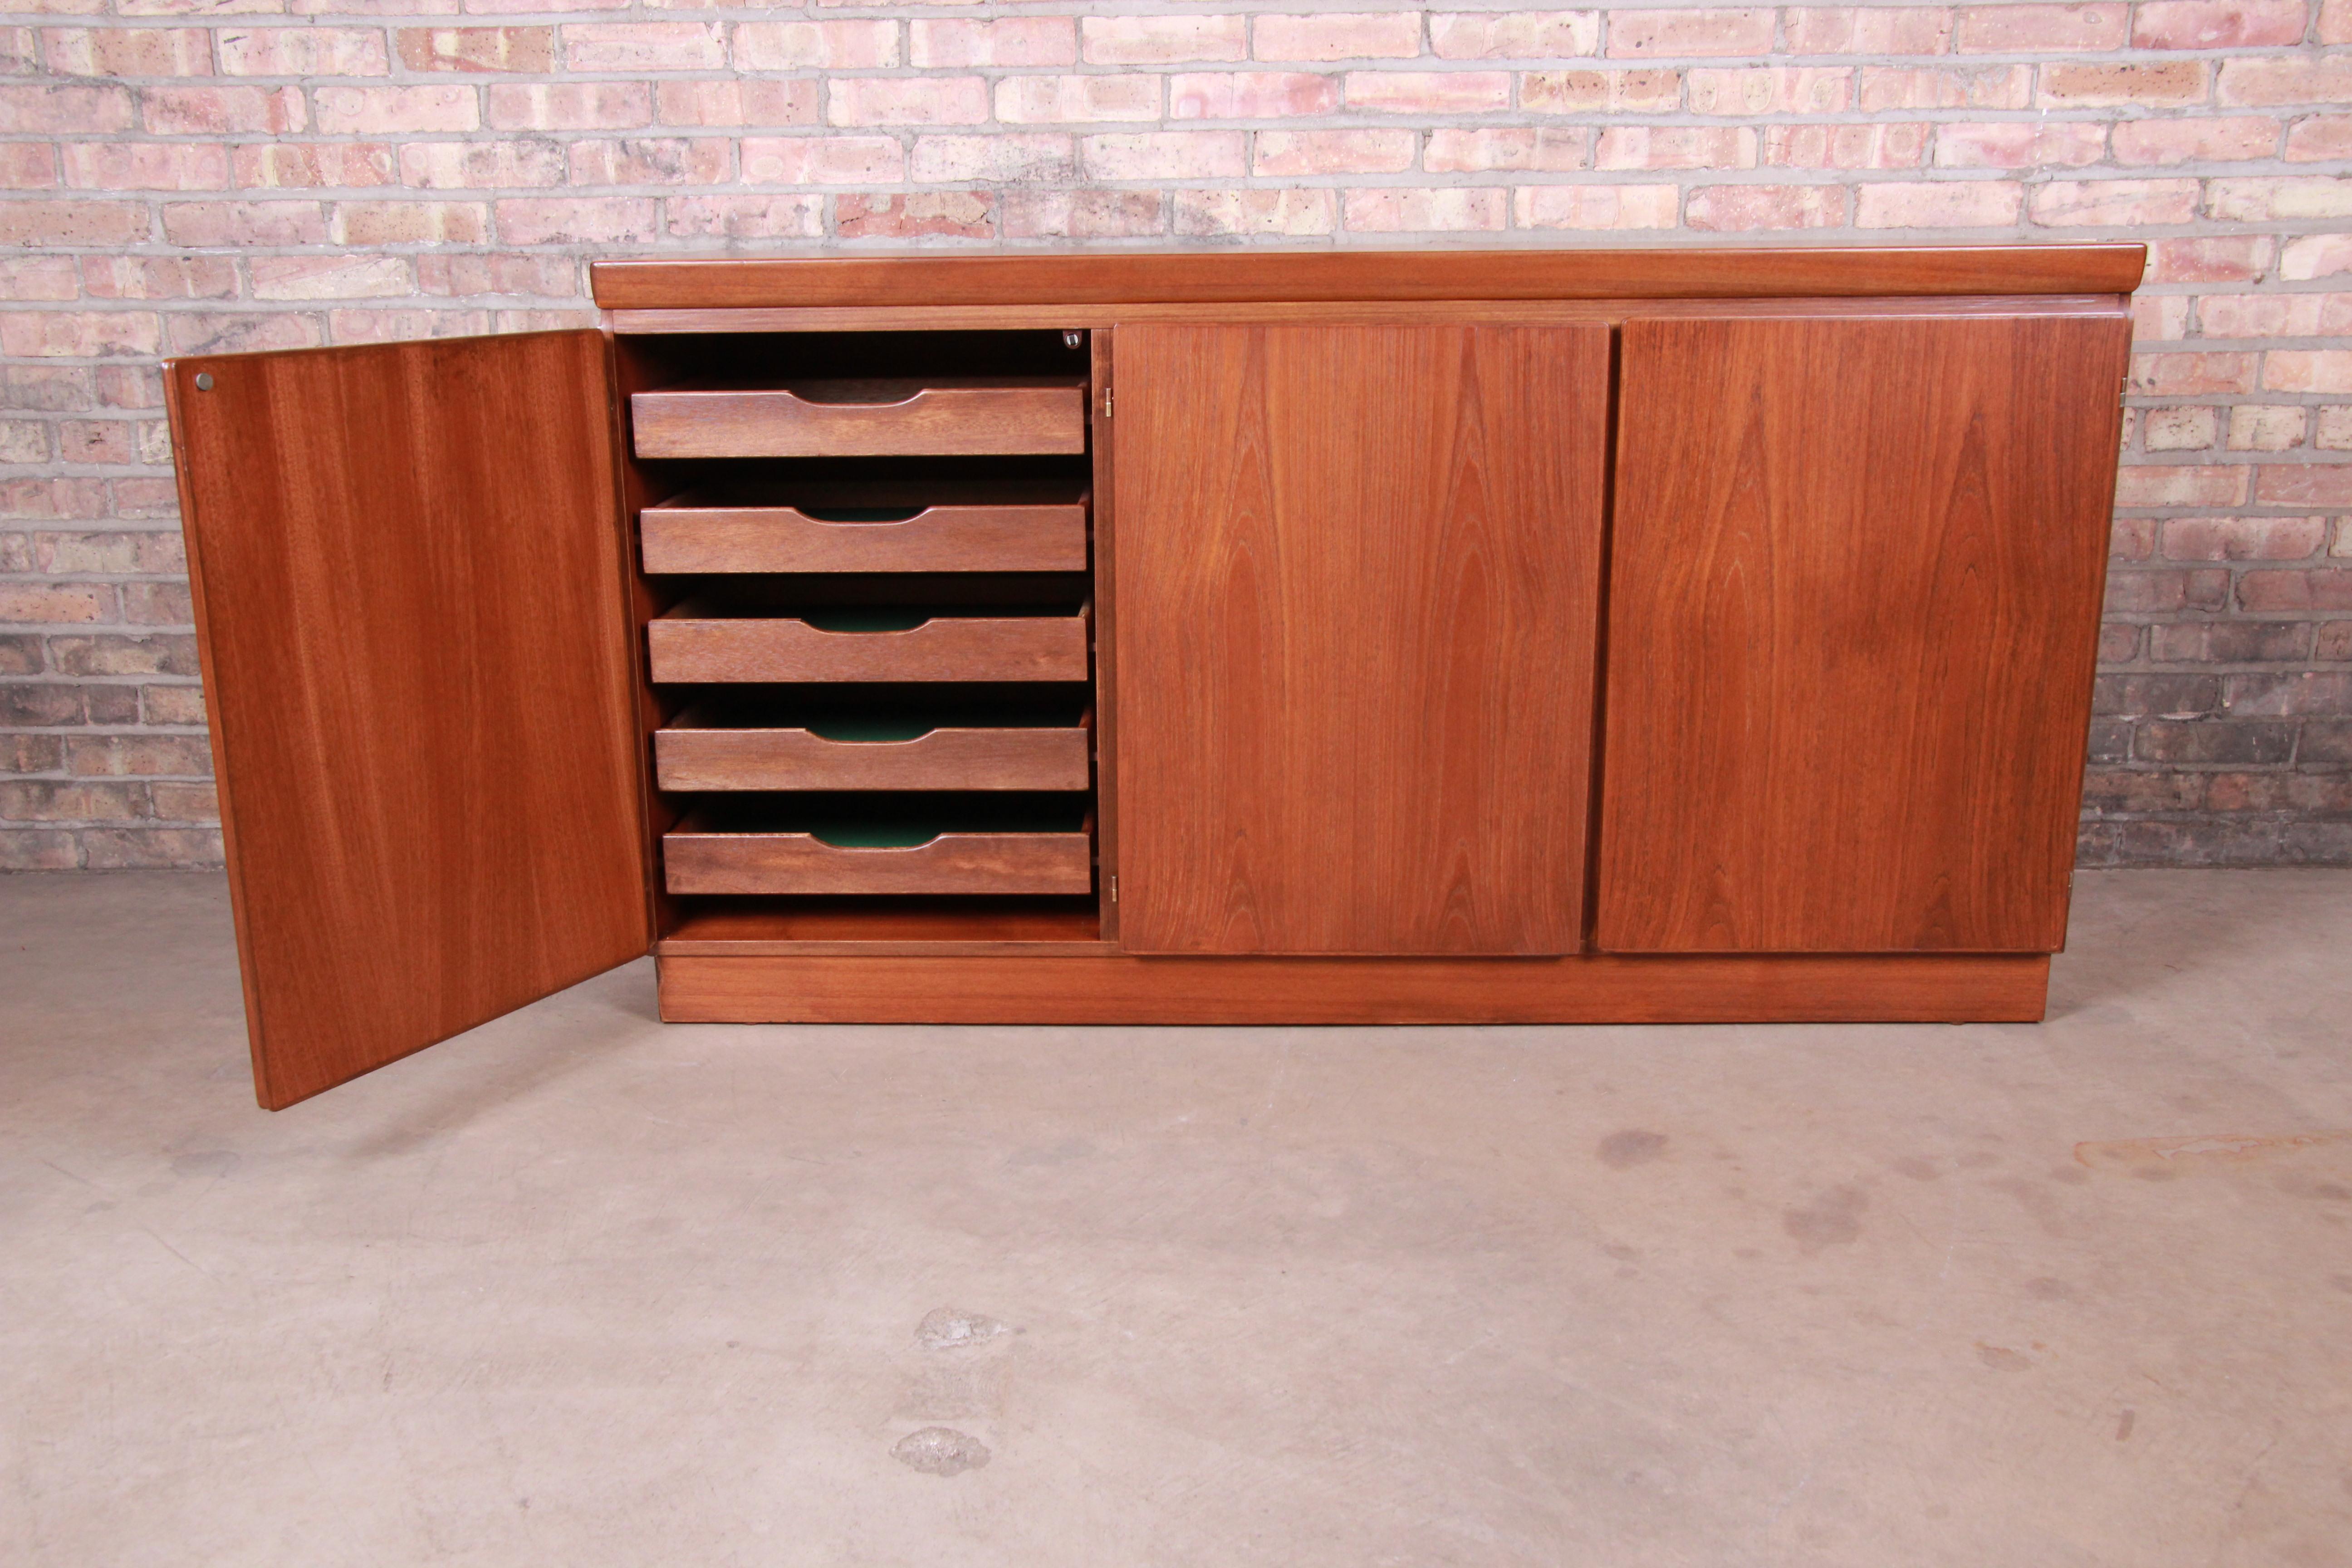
(410, 587)
(1854, 585)
(1356, 574)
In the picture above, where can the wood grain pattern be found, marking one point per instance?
(1329, 312)
(409, 570)
(1356, 574)
(690, 536)
(685, 647)
(1854, 605)
(933, 926)
(1119, 277)
(1101, 349)
(944, 417)
(948, 758)
(951, 863)
(1080, 988)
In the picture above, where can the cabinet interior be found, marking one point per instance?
(913, 682)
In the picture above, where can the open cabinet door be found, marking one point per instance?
(410, 586)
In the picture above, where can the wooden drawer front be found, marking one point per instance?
(971, 648)
(938, 539)
(945, 759)
(876, 418)
(951, 863)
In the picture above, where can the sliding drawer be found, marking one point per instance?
(932, 416)
(873, 527)
(1021, 848)
(699, 752)
(689, 644)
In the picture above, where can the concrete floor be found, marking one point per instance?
(581, 1289)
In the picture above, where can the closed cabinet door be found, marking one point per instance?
(1356, 574)
(1855, 571)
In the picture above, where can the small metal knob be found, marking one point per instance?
(204, 381)
(1071, 340)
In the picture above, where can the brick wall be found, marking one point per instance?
(205, 175)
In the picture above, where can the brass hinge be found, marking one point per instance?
(1106, 402)
(1114, 887)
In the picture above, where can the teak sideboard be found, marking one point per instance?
(1243, 638)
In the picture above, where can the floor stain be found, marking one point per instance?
(940, 1451)
(2002, 1359)
(2124, 1426)
(1631, 1147)
(1834, 1218)
(945, 1327)
(2161, 1157)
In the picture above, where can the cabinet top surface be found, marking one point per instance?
(1127, 276)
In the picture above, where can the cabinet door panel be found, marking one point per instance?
(1854, 584)
(417, 658)
(1356, 574)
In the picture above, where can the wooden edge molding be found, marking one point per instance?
(1078, 984)
(1213, 277)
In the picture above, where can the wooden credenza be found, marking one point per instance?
(1324, 638)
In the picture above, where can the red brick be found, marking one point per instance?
(2173, 84)
(478, 50)
(2304, 589)
(1428, 92)
(2319, 138)
(243, 223)
(374, 110)
(350, 324)
(2192, 374)
(56, 276)
(1869, 30)
(1162, 40)
(1669, 34)
(410, 222)
(907, 100)
(1546, 150)
(2019, 144)
(2260, 83)
(215, 110)
(1609, 91)
(759, 104)
(2038, 29)
(145, 166)
(998, 157)
(1514, 35)
(1876, 146)
(576, 220)
(647, 46)
(1595, 206)
(1454, 209)
(2229, 258)
(2211, 485)
(1883, 88)
(343, 277)
(1007, 41)
(954, 214)
(1077, 99)
(499, 272)
(2218, 24)
(1083, 214)
(303, 51)
(2315, 256)
(481, 165)
(2303, 484)
(1256, 212)
(27, 167)
(818, 46)
(1338, 36)
(823, 161)
(1676, 147)
(1281, 153)
(2253, 199)
(1737, 209)
(70, 110)
(55, 603)
(571, 106)
(1801, 90)
(747, 217)
(2197, 140)
(307, 164)
(1165, 156)
(130, 51)
(1973, 204)
(2243, 538)
(225, 332)
(653, 161)
(2114, 204)
(2336, 22)
(1251, 95)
